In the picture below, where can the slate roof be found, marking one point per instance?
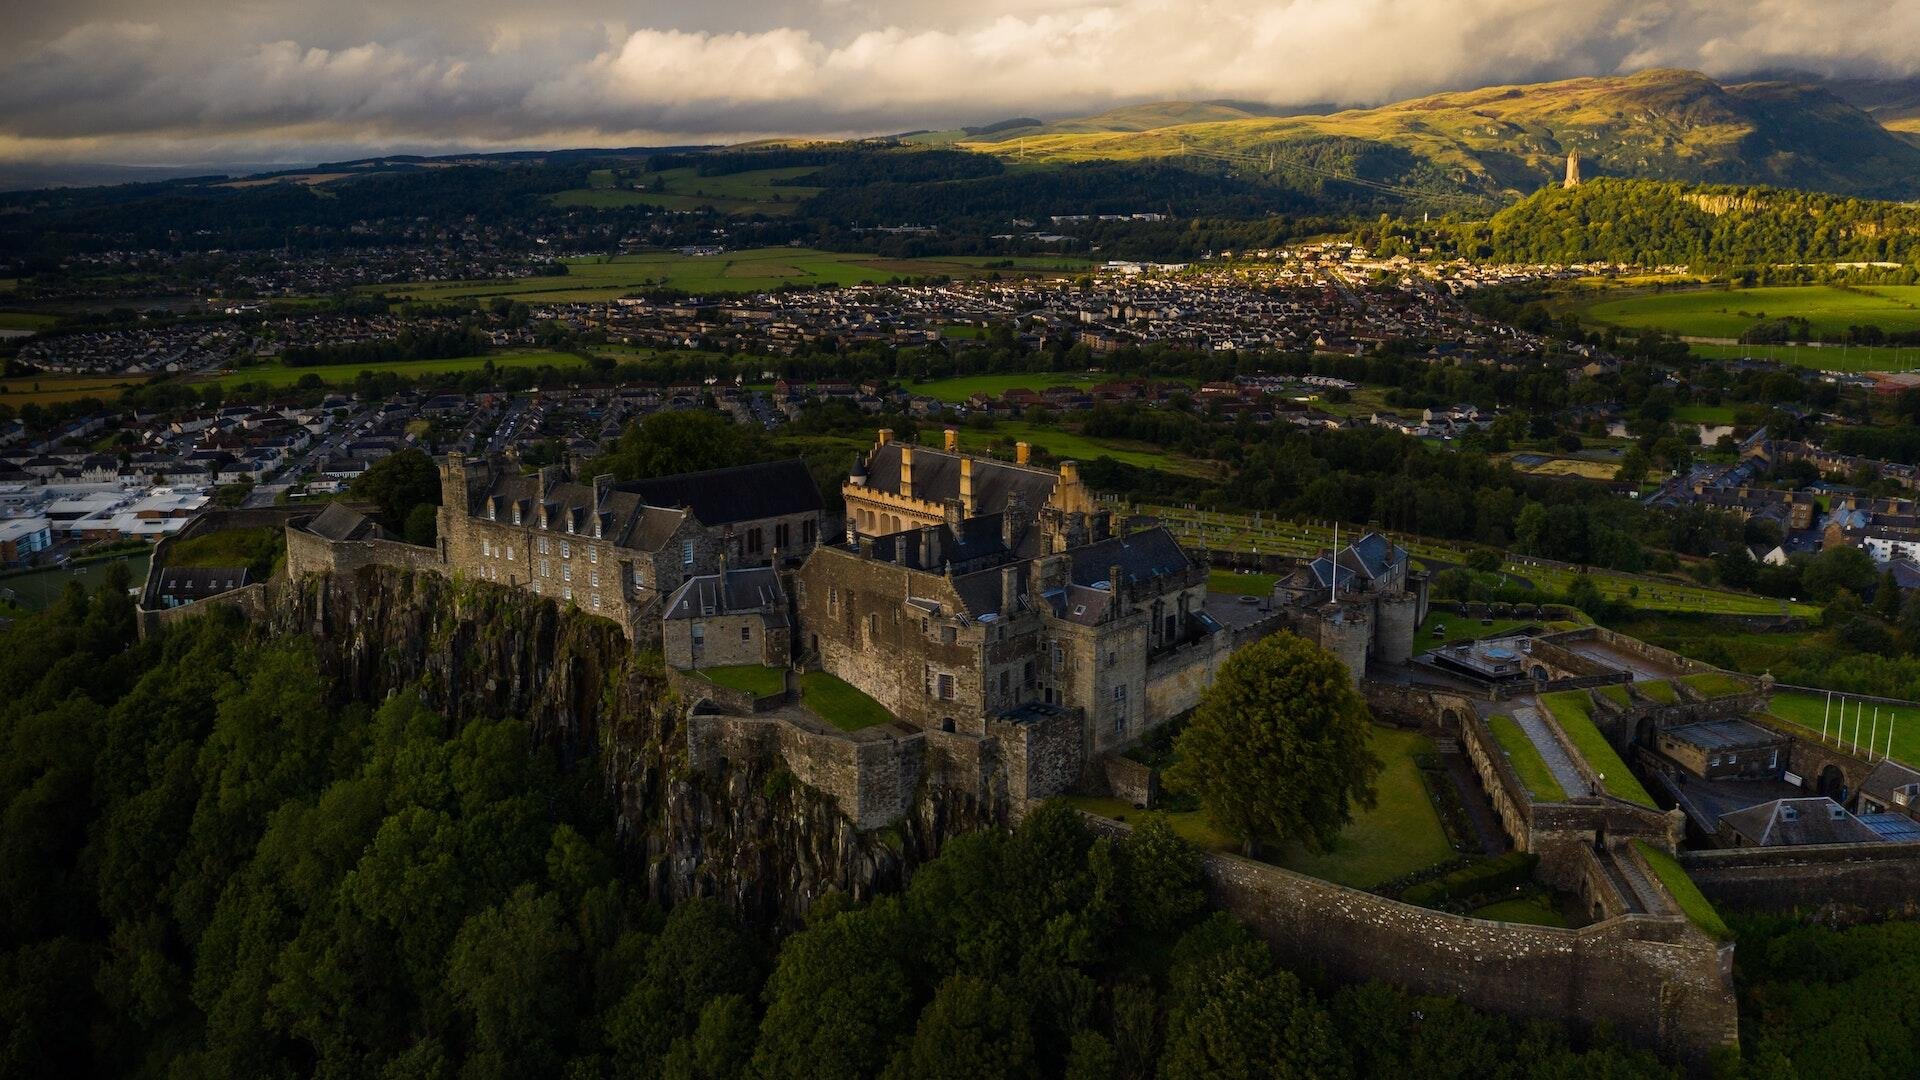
(200, 582)
(1794, 822)
(741, 493)
(1716, 735)
(337, 522)
(936, 478)
(1372, 556)
(1142, 555)
(756, 589)
(1889, 777)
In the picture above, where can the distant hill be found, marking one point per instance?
(1503, 141)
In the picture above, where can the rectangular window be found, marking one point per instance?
(686, 553)
(833, 598)
(699, 634)
(593, 578)
(596, 601)
(783, 535)
(569, 592)
(945, 685)
(509, 554)
(639, 578)
(746, 633)
(753, 540)
(873, 627)
(1059, 655)
(566, 571)
(486, 548)
(1004, 683)
(1026, 676)
(593, 554)
(542, 541)
(807, 531)
(566, 550)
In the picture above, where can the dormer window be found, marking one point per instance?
(516, 513)
(569, 521)
(493, 512)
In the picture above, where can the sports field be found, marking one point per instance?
(279, 375)
(42, 587)
(1898, 727)
(608, 277)
(1071, 445)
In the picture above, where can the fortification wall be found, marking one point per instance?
(311, 554)
(1130, 781)
(873, 780)
(1881, 878)
(1176, 681)
(1043, 756)
(1511, 803)
(1656, 979)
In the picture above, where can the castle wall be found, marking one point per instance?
(872, 778)
(1880, 878)
(728, 639)
(1656, 979)
(1396, 619)
(1043, 756)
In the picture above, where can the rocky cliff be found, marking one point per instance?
(748, 834)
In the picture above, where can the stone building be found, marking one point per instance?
(619, 549)
(897, 486)
(732, 617)
(1362, 603)
(962, 624)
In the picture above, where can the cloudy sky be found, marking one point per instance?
(289, 80)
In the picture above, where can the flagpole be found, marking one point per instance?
(1824, 715)
(1874, 734)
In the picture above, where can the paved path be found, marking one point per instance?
(1557, 759)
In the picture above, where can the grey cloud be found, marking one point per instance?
(113, 78)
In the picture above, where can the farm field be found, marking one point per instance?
(1727, 313)
(278, 375)
(1819, 358)
(42, 587)
(1559, 466)
(961, 388)
(1807, 710)
(608, 277)
(55, 389)
(1065, 444)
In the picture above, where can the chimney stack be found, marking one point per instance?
(906, 471)
(886, 435)
(966, 481)
(930, 548)
(951, 440)
(1009, 591)
(1022, 453)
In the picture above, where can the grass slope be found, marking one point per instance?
(1573, 711)
(839, 703)
(1526, 760)
(1685, 893)
(1400, 835)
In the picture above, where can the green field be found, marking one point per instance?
(1461, 628)
(839, 703)
(26, 320)
(42, 587)
(964, 387)
(1070, 445)
(608, 277)
(276, 376)
(1728, 313)
(1818, 358)
(1573, 710)
(1809, 710)
(1535, 909)
(55, 389)
(1400, 835)
(752, 192)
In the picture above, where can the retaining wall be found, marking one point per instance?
(873, 780)
(1883, 878)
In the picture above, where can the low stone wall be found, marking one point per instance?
(1666, 658)
(693, 687)
(1130, 781)
(1512, 803)
(251, 599)
(310, 554)
(1657, 980)
(1881, 878)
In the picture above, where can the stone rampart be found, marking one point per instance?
(1655, 978)
(1881, 878)
(1176, 680)
(1130, 781)
(873, 776)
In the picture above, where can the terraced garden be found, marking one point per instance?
(1574, 712)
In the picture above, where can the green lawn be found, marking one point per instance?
(1191, 826)
(755, 679)
(1535, 910)
(1526, 760)
(1727, 313)
(1808, 710)
(1659, 690)
(1237, 584)
(276, 376)
(257, 549)
(607, 277)
(42, 587)
(839, 703)
(1460, 628)
(1573, 710)
(1685, 893)
(1401, 834)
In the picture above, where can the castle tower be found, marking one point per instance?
(1573, 169)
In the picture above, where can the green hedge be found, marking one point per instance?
(1500, 873)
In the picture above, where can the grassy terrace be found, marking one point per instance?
(1237, 584)
(840, 704)
(1400, 835)
(37, 589)
(1526, 760)
(1685, 893)
(1190, 825)
(1459, 628)
(1068, 444)
(1659, 690)
(1808, 710)
(755, 679)
(1573, 710)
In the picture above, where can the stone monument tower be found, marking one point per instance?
(1573, 169)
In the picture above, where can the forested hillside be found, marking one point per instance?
(1708, 227)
